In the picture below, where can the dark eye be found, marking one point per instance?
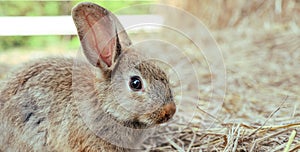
(135, 83)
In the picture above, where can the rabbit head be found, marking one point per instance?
(135, 91)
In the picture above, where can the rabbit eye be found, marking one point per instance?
(135, 83)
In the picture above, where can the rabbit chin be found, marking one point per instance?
(131, 121)
(148, 120)
(140, 123)
(144, 121)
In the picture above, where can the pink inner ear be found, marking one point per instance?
(100, 36)
(106, 54)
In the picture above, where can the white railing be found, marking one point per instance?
(63, 25)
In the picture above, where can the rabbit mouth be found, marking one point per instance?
(136, 124)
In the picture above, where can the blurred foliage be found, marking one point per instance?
(52, 8)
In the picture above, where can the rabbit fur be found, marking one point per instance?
(64, 104)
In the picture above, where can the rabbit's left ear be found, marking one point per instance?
(101, 34)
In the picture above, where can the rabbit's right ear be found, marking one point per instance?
(101, 34)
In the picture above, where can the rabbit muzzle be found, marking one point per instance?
(166, 113)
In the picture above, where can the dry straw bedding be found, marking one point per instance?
(261, 107)
(260, 43)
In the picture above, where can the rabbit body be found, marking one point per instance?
(106, 104)
(38, 113)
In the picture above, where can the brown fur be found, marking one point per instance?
(60, 104)
(55, 123)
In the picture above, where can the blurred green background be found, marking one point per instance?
(52, 8)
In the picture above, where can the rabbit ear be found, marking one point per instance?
(101, 34)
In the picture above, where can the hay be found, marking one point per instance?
(262, 57)
(261, 107)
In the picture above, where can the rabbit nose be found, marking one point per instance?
(167, 112)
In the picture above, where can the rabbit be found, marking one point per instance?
(105, 103)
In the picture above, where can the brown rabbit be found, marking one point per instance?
(105, 104)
